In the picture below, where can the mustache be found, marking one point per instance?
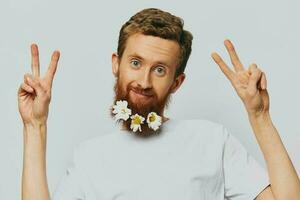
(146, 92)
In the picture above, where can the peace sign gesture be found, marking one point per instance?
(34, 93)
(249, 84)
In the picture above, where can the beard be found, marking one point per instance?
(140, 106)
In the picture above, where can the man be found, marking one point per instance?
(151, 156)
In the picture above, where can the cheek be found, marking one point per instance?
(123, 84)
(126, 81)
(127, 75)
(162, 89)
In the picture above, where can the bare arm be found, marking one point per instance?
(34, 96)
(34, 180)
(251, 86)
(285, 183)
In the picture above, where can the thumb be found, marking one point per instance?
(36, 85)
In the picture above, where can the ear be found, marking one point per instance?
(115, 64)
(177, 82)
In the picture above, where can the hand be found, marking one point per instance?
(250, 85)
(34, 94)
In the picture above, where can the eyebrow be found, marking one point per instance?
(135, 55)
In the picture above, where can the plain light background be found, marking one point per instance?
(86, 33)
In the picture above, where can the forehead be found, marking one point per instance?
(153, 49)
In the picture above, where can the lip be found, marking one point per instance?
(140, 95)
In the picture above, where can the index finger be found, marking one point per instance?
(35, 63)
(225, 69)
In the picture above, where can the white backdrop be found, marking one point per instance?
(86, 33)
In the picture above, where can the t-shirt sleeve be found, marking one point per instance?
(244, 177)
(71, 185)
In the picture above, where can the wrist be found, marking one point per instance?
(36, 130)
(35, 124)
(261, 119)
(258, 114)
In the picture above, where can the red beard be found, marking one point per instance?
(141, 107)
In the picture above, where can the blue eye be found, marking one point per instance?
(160, 71)
(135, 63)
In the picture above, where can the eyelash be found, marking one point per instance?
(158, 67)
(161, 68)
(134, 61)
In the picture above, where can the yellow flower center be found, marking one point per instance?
(152, 118)
(123, 111)
(136, 120)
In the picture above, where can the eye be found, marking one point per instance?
(135, 63)
(160, 71)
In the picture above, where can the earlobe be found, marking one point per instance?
(115, 64)
(177, 82)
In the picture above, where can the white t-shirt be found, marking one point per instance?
(188, 160)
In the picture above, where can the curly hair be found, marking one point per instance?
(155, 22)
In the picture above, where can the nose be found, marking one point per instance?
(145, 80)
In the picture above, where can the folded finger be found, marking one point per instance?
(264, 81)
(252, 68)
(27, 88)
(36, 85)
(254, 80)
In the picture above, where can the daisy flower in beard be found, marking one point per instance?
(136, 121)
(121, 111)
(154, 120)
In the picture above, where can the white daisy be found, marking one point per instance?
(154, 120)
(121, 110)
(136, 121)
